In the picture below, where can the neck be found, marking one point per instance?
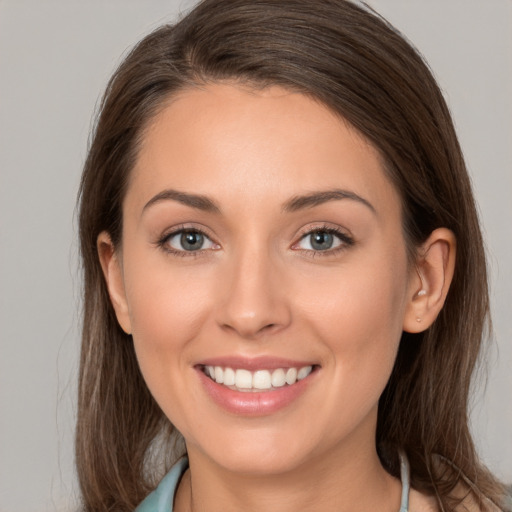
(353, 481)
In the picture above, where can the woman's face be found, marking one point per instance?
(261, 240)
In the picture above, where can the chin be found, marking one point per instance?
(254, 452)
(257, 463)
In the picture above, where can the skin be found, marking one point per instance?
(256, 288)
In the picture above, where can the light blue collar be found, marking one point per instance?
(405, 475)
(162, 498)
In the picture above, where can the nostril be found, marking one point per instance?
(269, 328)
(251, 331)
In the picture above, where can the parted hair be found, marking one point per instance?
(350, 59)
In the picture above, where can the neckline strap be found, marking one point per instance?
(405, 477)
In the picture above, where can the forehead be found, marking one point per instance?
(232, 141)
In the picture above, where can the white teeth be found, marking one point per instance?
(278, 378)
(229, 377)
(243, 379)
(291, 376)
(258, 380)
(262, 380)
(303, 372)
(219, 375)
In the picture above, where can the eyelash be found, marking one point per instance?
(346, 241)
(163, 242)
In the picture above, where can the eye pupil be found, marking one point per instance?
(191, 240)
(321, 240)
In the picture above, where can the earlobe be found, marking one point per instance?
(430, 281)
(112, 271)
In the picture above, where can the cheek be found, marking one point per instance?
(359, 316)
(167, 310)
(165, 303)
(357, 298)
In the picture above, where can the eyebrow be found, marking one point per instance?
(197, 201)
(296, 203)
(317, 198)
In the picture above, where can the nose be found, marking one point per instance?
(254, 297)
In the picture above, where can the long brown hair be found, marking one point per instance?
(360, 67)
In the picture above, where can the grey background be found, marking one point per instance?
(55, 57)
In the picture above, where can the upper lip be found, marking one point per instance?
(254, 363)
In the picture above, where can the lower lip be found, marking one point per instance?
(253, 403)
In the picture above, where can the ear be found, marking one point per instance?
(430, 280)
(113, 272)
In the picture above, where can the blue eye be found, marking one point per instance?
(189, 240)
(323, 240)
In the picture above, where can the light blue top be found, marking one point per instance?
(162, 498)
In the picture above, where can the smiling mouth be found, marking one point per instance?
(257, 381)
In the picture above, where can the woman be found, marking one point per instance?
(284, 272)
